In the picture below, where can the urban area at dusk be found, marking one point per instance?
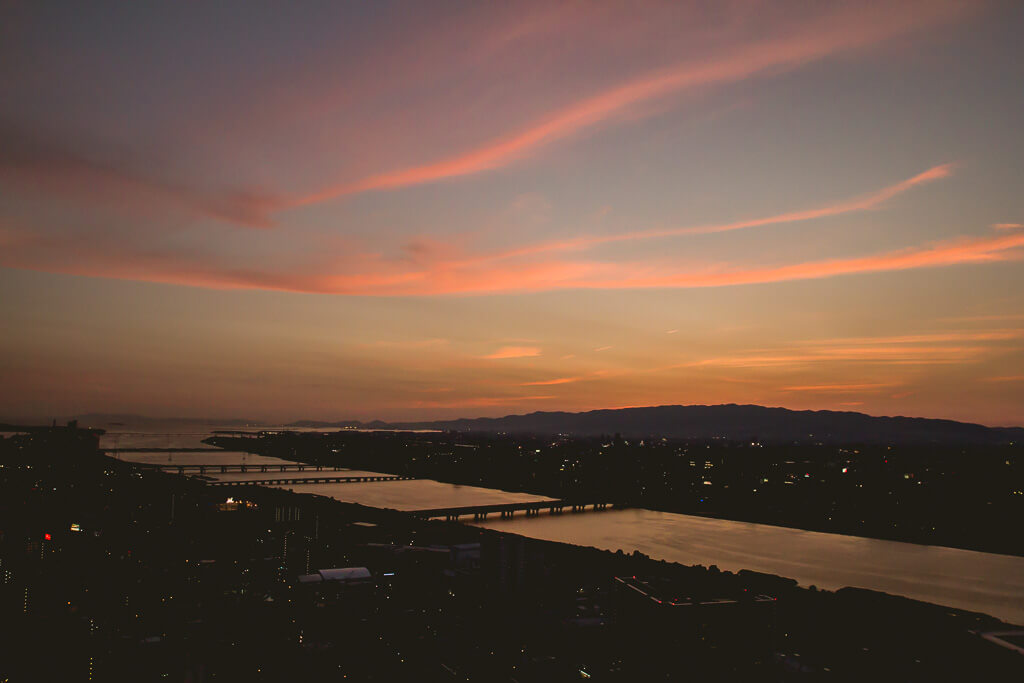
(521, 341)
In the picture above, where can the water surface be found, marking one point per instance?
(981, 582)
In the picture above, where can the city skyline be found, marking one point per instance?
(406, 212)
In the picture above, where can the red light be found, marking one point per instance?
(47, 537)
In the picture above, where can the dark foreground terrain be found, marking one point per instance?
(115, 572)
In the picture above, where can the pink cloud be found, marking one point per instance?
(839, 32)
(865, 203)
(1007, 226)
(31, 164)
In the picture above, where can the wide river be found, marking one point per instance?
(980, 582)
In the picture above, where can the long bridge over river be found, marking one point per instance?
(277, 481)
(531, 508)
(203, 468)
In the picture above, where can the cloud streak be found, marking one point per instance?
(513, 352)
(864, 203)
(839, 388)
(395, 278)
(552, 382)
(838, 33)
(31, 164)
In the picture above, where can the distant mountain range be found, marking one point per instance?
(733, 422)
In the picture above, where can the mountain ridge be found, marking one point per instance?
(726, 421)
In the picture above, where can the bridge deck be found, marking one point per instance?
(277, 481)
(531, 508)
(243, 467)
(209, 449)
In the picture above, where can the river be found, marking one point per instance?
(965, 579)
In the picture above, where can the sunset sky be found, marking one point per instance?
(425, 209)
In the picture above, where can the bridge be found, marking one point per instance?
(208, 449)
(310, 480)
(532, 509)
(244, 467)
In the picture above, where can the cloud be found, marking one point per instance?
(1007, 226)
(839, 388)
(370, 275)
(960, 251)
(836, 33)
(551, 382)
(513, 352)
(603, 348)
(865, 203)
(895, 355)
(1006, 378)
(987, 335)
(31, 163)
(480, 402)
(413, 343)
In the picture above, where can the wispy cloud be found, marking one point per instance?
(480, 401)
(835, 33)
(513, 352)
(840, 388)
(896, 355)
(938, 337)
(865, 203)
(1007, 226)
(395, 278)
(43, 166)
(413, 343)
(551, 382)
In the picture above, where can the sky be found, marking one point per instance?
(409, 210)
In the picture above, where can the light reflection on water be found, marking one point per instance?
(204, 458)
(419, 494)
(982, 582)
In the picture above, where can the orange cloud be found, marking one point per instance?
(899, 355)
(970, 250)
(839, 388)
(478, 402)
(991, 335)
(392, 278)
(1007, 226)
(514, 352)
(550, 382)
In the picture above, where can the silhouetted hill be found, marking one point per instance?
(341, 424)
(735, 422)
